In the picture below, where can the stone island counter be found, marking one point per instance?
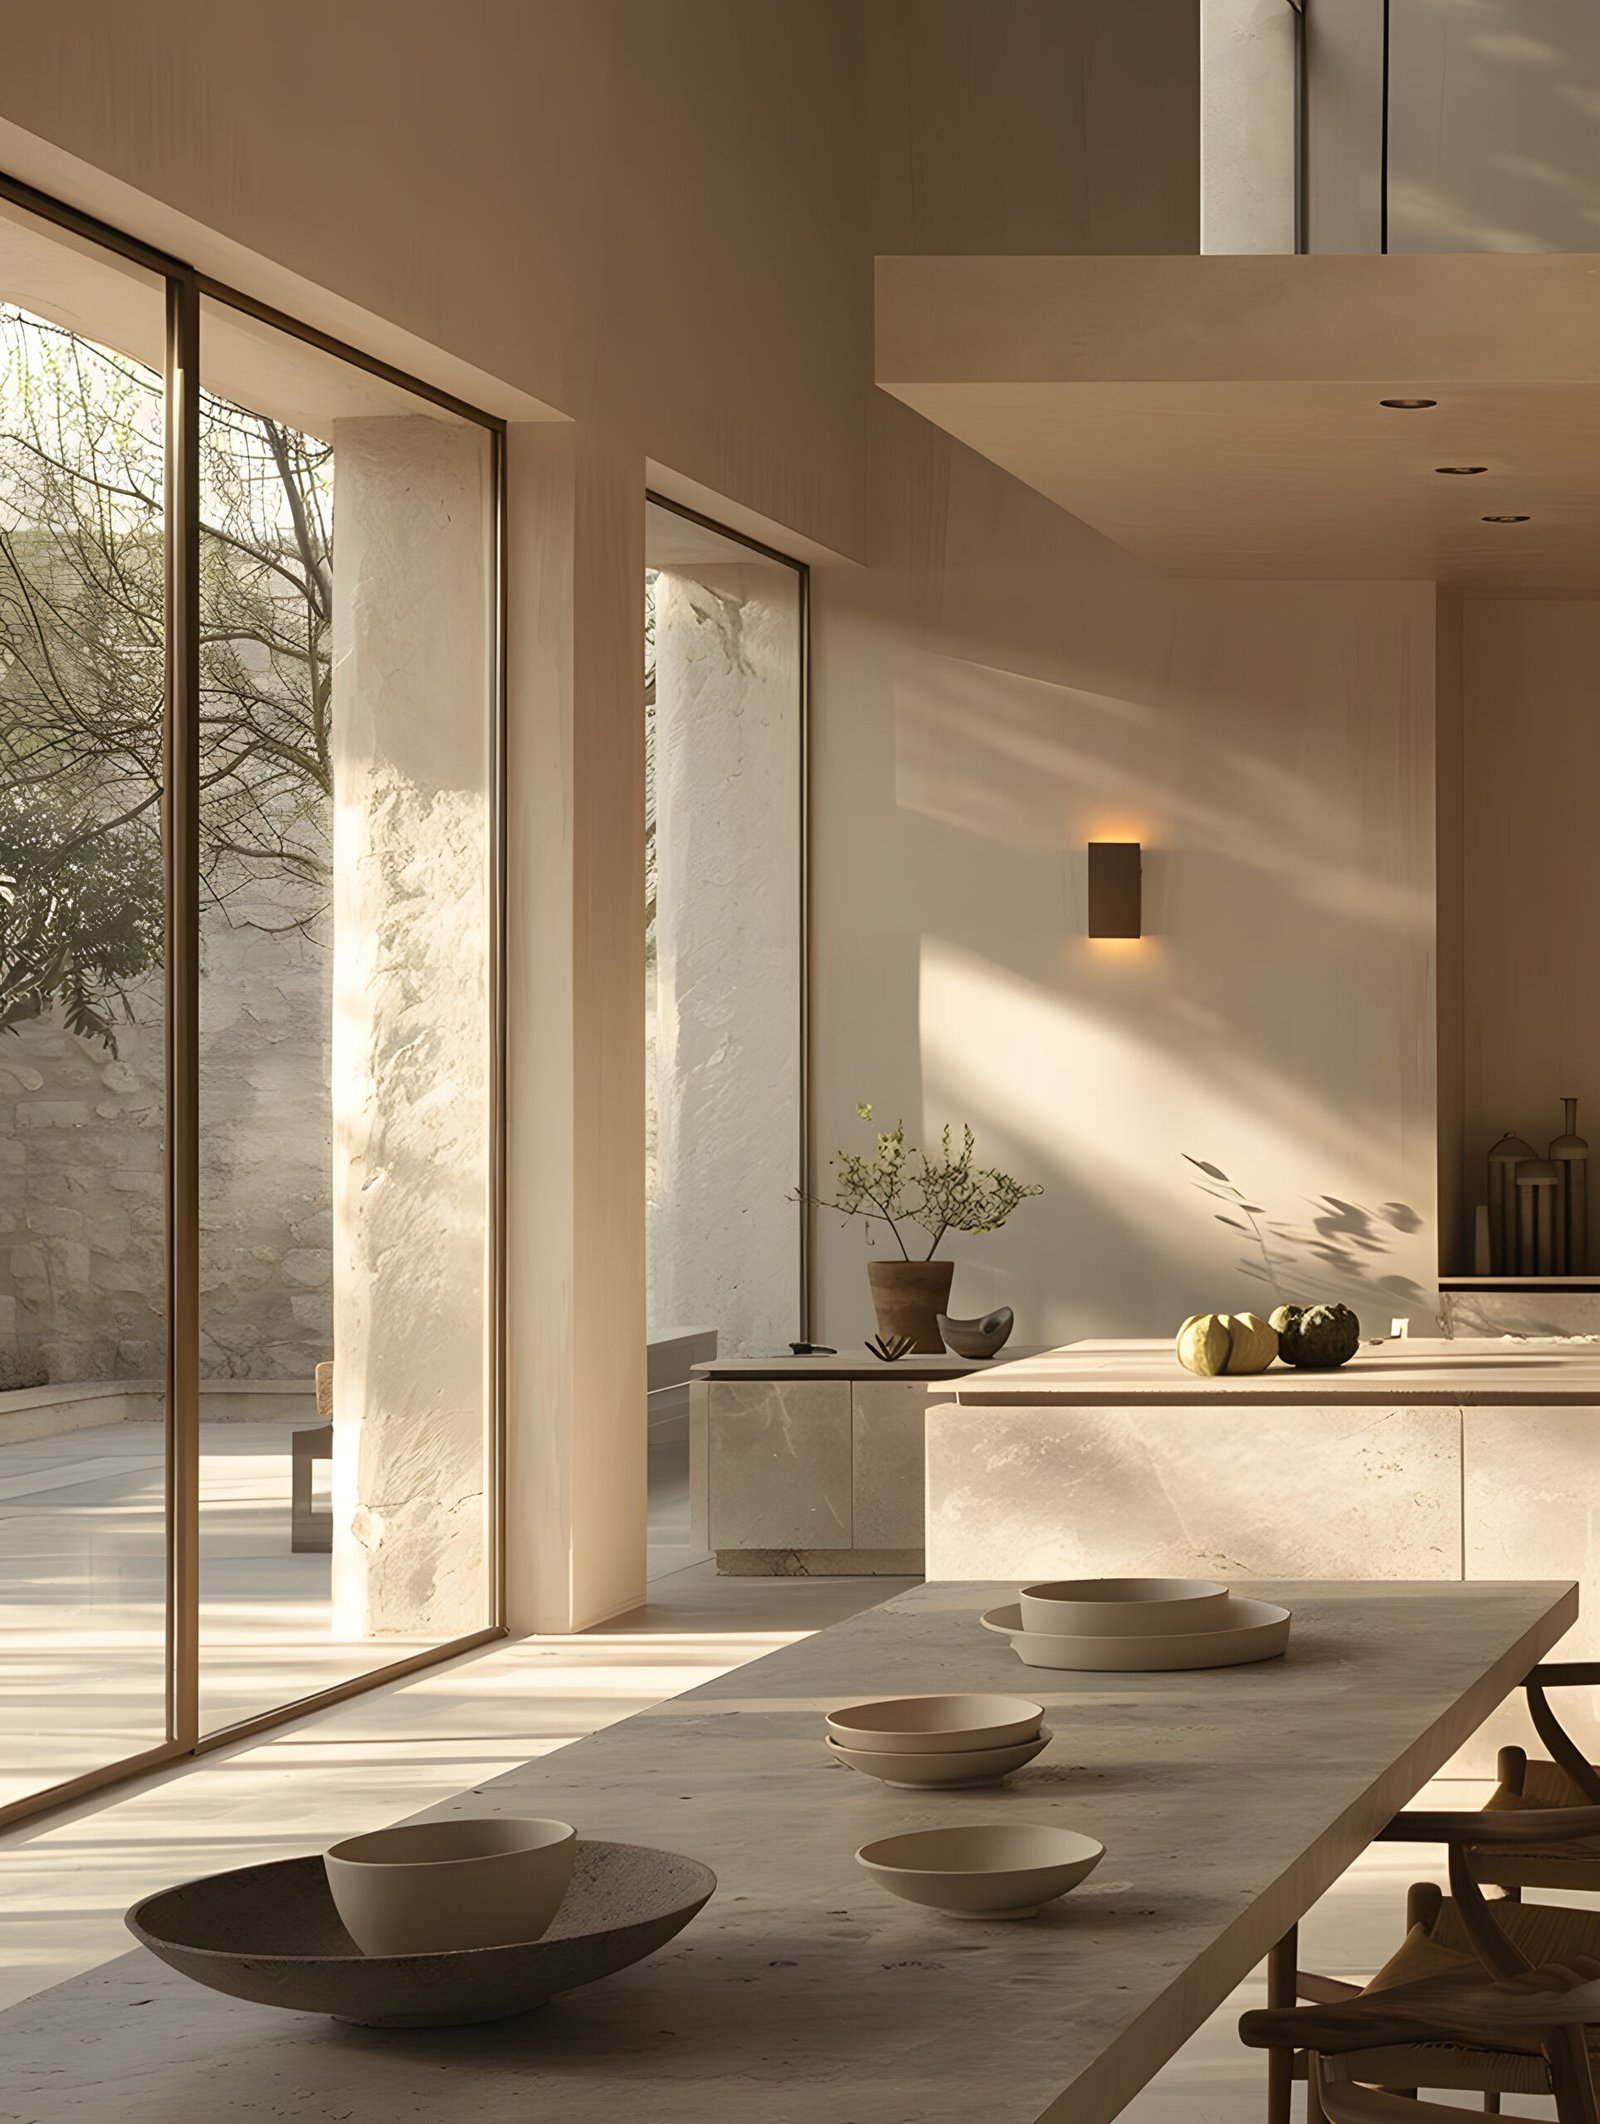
(1416, 1460)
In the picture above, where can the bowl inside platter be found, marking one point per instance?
(1123, 1607)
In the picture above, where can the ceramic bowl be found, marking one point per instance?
(987, 1870)
(1124, 1607)
(271, 1934)
(434, 1887)
(965, 1766)
(936, 1725)
(1255, 1629)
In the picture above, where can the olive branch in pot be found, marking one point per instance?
(942, 1191)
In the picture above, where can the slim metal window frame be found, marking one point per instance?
(185, 288)
(803, 1149)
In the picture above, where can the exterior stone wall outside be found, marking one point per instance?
(82, 1188)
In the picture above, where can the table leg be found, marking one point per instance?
(308, 1528)
(1282, 1990)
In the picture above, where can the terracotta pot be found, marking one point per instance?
(908, 1297)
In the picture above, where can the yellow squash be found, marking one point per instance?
(1212, 1343)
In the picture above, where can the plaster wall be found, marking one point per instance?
(1491, 125)
(1003, 686)
(648, 218)
(1031, 125)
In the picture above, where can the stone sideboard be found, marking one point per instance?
(1416, 1461)
(813, 1466)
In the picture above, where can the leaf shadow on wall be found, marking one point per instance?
(1342, 1244)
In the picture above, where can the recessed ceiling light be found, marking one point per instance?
(1506, 519)
(1408, 405)
(1460, 471)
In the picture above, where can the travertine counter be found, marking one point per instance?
(806, 1466)
(1416, 1460)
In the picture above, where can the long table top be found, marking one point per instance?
(1409, 1372)
(1228, 1802)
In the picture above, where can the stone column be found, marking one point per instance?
(1247, 93)
(724, 1228)
(411, 1027)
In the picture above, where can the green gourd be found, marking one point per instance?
(1317, 1338)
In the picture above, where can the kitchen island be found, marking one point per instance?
(1417, 1460)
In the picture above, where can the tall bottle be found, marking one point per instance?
(1538, 1183)
(1504, 1159)
(1570, 1152)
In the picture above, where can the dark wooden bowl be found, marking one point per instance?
(271, 1934)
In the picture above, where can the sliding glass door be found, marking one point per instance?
(83, 1009)
(249, 1008)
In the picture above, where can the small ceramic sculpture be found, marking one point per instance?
(978, 1338)
(891, 1348)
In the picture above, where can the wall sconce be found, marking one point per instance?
(1115, 908)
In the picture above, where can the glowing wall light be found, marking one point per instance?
(1114, 889)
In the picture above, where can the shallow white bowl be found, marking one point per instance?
(1124, 1607)
(936, 1725)
(922, 1772)
(987, 1870)
(1256, 1629)
(435, 1887)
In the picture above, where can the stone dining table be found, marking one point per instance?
(1228, 1801)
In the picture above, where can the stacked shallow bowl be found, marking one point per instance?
(938, 1742)
(1139, 1625)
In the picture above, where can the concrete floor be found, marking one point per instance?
(83, 1595)
(83, 1591)
(64, 1884)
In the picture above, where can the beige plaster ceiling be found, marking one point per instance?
(1222, 416)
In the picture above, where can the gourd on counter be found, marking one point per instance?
(1317, 1338)
(1211, 1343)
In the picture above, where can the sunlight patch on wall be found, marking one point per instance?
(1114, 1103)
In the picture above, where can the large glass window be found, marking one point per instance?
(322, 906)
(346, 718)
(724, 971)
(83, 1508)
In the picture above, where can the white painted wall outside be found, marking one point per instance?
(724, 1227)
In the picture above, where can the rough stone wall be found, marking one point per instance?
(266, 1158)
(724, 1229)
(82, 1216)
(81, 1209)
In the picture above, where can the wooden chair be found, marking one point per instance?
(1568, 1779)
(1546, 2013)
(1454, 1945)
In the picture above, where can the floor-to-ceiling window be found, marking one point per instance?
(249, 918)
(725, 633)
(83, 1007)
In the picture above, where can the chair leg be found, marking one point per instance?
(1282, 1990)
(1571, 2077)
(1316, 2108)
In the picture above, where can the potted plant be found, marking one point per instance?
(937, 1192)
